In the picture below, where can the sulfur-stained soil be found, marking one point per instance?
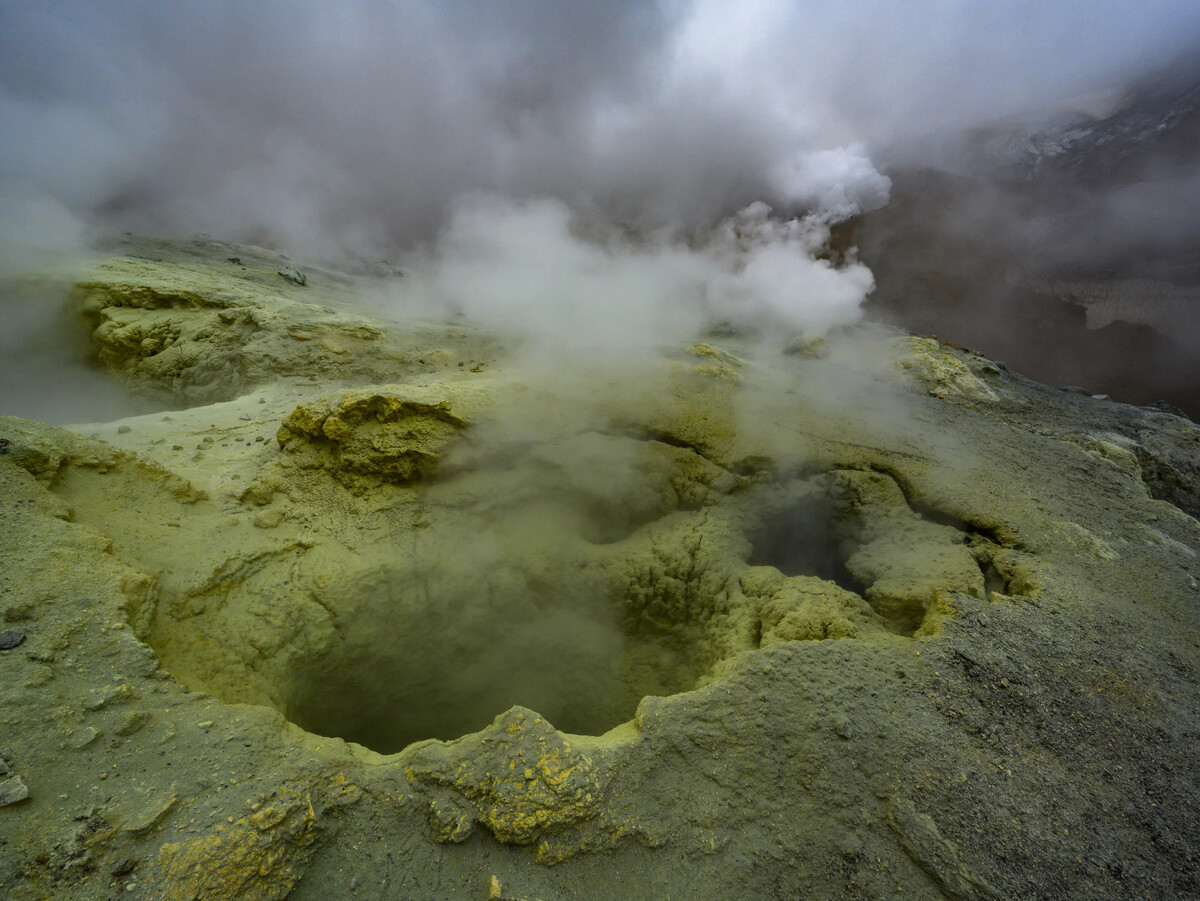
(357, 607)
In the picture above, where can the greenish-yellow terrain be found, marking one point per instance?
(379, 608)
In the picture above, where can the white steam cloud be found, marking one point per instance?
(523, 268)
(606, 148)
(355, 124)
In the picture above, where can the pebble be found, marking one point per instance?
(294, 275)
(123, 430)
(245, 417)
(268, 519)
(132, 722)
(84, 737)
(12, 790)
(9, 640)
(125, 867)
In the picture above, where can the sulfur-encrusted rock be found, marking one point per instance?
(391, 433)
(258, 857)
(940, 372)
(520, 777)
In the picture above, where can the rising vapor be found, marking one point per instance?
(356, 125)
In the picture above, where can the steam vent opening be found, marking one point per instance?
(801, 539)
(404, 672)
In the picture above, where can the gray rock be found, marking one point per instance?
(294, 275)
(84, 737)
(12, 791)
(10, 640)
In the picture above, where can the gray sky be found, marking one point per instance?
(357, 123)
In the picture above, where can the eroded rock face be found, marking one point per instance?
(203, 330)
(395, 435)
(750, 627)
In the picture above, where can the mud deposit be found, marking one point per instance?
(379, 610)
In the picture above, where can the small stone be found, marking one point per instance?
(844, 729)
(5, 767)
(110, 694)
(268, 519)
(245, 417)
(10, 640)
(125, 867)
(84, 737)
(1099, 397)
(494, 890)
(139, 811)
(123, 430)
(12, 791)
(294, 275)
(207, 724)
(133, 722)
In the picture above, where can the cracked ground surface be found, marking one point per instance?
(401, 618)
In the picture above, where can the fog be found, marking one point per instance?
(594, 172)
(356, 125)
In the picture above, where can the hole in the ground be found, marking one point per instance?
(401, 673)
(800, 540)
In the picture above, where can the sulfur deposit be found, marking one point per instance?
(365, 608)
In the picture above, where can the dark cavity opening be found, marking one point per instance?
(400, 675)
(801, 540)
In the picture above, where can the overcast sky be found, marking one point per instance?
(356, 123)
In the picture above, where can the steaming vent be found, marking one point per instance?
(557, 606)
